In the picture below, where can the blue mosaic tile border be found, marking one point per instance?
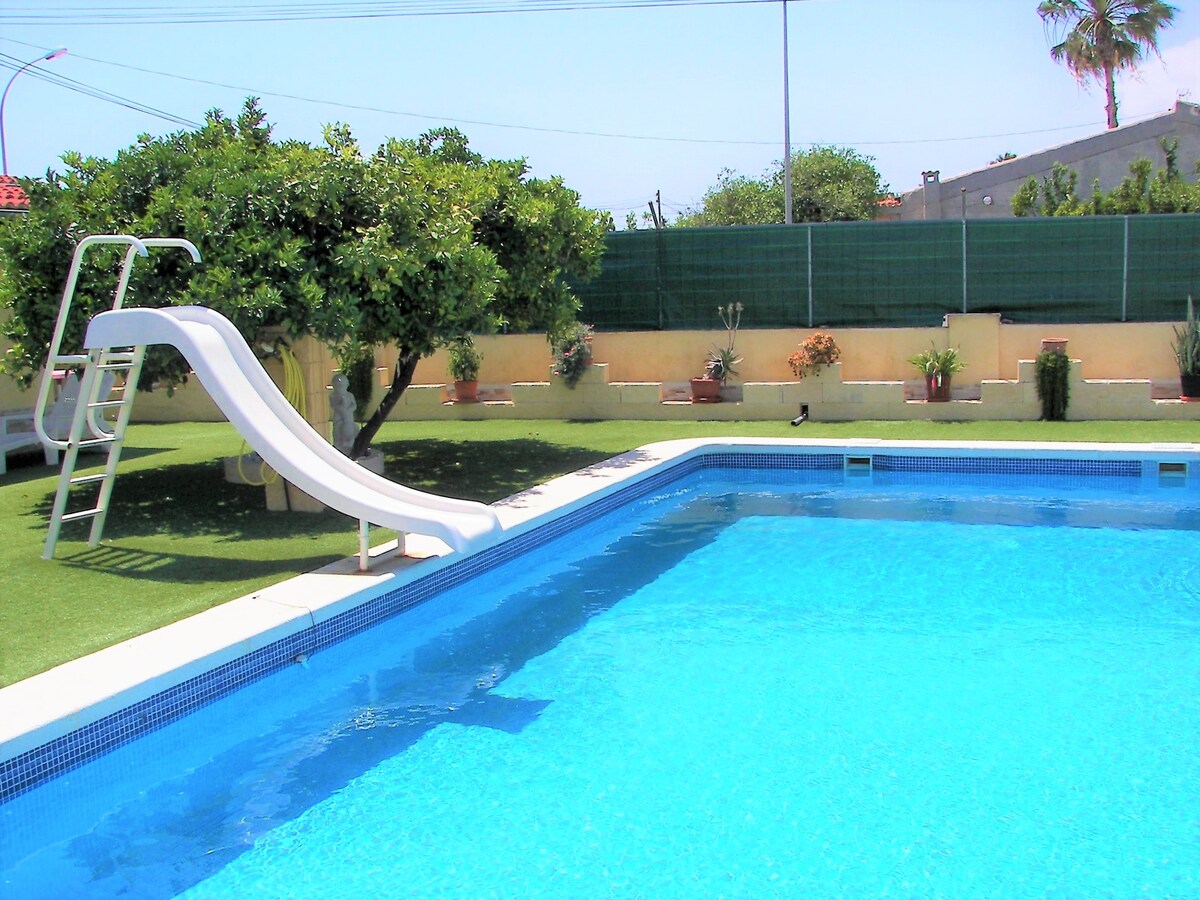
(34, 767)
(999, 465)
(29, 769)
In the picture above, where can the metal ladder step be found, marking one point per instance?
(82, 514)
(88, 479)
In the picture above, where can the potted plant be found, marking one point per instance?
(1187, 355)
(938, 366)
(720, 362)
(818, 349)
(572, 352)
(464, 369)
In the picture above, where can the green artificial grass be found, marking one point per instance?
(180, 539)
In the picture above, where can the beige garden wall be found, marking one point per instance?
(649, 364)
(991, 350)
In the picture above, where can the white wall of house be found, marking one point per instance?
(987, 193)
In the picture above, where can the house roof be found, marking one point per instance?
(13, 199)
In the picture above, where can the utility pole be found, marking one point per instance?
(656, 214)
(787, 128)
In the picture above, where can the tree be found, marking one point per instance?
(829, 184)
(416, 245)
(1143, 190)
(1097, 38)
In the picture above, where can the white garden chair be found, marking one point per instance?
(16, 429)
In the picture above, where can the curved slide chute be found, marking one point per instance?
(241, 388)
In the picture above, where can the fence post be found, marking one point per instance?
(964, 263)
(1125, 275)
(658, 278)
(810, 278)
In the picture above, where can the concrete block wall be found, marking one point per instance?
(827, 395)
(1125, 372)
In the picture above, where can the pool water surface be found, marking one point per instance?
(763, 684)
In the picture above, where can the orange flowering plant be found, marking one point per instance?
(819, 349)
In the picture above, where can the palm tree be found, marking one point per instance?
(1098, 37)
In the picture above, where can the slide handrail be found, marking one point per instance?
(54, 358)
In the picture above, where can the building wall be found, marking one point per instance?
(1104, 156)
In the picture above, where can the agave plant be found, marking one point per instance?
(1187, 343)
(721, 360)
(720, 364)
(935, 363)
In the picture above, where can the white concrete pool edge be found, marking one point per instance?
(48, 706)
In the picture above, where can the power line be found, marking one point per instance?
(547, 130)
(309, 12)
(58, 80)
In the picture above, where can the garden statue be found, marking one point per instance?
(341, 410)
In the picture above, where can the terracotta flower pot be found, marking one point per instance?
(466, 392)
(1054, 345)
(706, 390)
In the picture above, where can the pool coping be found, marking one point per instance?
(41, 710)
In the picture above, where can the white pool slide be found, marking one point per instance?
(241, 388)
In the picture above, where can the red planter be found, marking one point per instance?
(937, 393)
(706, 390)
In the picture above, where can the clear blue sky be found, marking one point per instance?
(937, 84)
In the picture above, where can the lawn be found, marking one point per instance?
(180, 539)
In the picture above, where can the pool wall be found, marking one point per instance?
(55, 722)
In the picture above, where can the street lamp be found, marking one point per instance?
(787, 129)
(53, 54)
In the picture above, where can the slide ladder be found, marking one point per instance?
(100, 393)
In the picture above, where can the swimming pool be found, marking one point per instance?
(839, 672)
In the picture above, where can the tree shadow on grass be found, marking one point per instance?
(191, 501)
(481, 470)
(195, 500)
(185, 569)
(26, 467)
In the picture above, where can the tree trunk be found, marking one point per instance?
(406, 366)
(1110, 89)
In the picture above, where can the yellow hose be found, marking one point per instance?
(295, 394)
(293, 380)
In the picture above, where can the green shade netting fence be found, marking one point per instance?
(1089, 269)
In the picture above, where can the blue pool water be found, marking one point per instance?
(819, 686)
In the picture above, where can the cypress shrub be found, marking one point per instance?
(1052, 388)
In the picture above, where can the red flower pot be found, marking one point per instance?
(935, 391)
(706, 390)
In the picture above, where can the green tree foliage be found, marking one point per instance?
(829, 184)
(416, 245)
(1143, 190)
(1098, 38)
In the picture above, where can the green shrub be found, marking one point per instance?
(572, 351)
(1053, 391)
